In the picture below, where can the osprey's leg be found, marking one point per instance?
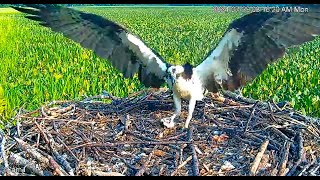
(177, 112)
(192, 105)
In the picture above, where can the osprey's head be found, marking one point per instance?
(184, 71)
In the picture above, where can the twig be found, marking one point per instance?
(181, 165)
(86, 140)
(56, 167)
(110, 144)
(174, 137)
(61, 160)
(258, 158)
(181, 153)
(284, 159)
(58, 158)
(101, 173)
(68, 149)
(144, 166)
(307, 166)
(250, 117)
(45, 137)
(3, 152)
(269, 147)
(162, 169)
(260, 138)
(125, 161)
(274, 170)
(195, 161)
(300, 154)
(18, 125)
(275, 105)
(22, 162)
(244, 99)
(278, 132)
(313, 170)
(33, 152)
(103, 95)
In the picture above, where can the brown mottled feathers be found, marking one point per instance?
(249, 44)
(106, 38)
(260, 39)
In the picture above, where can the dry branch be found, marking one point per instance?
(300, 156)
(144, 166)
(284, 159)
(181, 165)
(56, 167)
(33, 152)
(24, 163)
(3, 154)
(258, 158)
(250, 117)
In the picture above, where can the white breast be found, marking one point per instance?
(189, 88)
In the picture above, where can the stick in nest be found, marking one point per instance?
(59, 159)
(181, 165)
(300, 154)
(112, 144)
(144, 166)
(251, 116)
(56, 167)
(22, 162)
(237, 97)
(252, 143)
(307, 167)
(195, 161)
(3, 152)
(258, 158)
(284, 159)
(33, 152)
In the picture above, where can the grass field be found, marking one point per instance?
(38, 65)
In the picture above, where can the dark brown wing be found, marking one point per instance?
(128, 53)
(254, 41)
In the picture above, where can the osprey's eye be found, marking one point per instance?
(174, 70)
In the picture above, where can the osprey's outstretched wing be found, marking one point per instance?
(254, 41)
(128, 53)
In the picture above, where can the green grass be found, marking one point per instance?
(38, 65)
(8, 11)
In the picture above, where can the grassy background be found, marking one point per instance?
(38, 65)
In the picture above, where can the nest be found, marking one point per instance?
(108, 136)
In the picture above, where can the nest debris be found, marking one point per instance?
(228, 135)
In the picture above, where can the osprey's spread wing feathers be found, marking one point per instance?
(128, 53)
(254, 41)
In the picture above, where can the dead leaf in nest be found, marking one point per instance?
(159, 153)
(224, 137)
(156, 115)
(220, 139)
(167, 132)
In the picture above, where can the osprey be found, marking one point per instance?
(248, 45)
